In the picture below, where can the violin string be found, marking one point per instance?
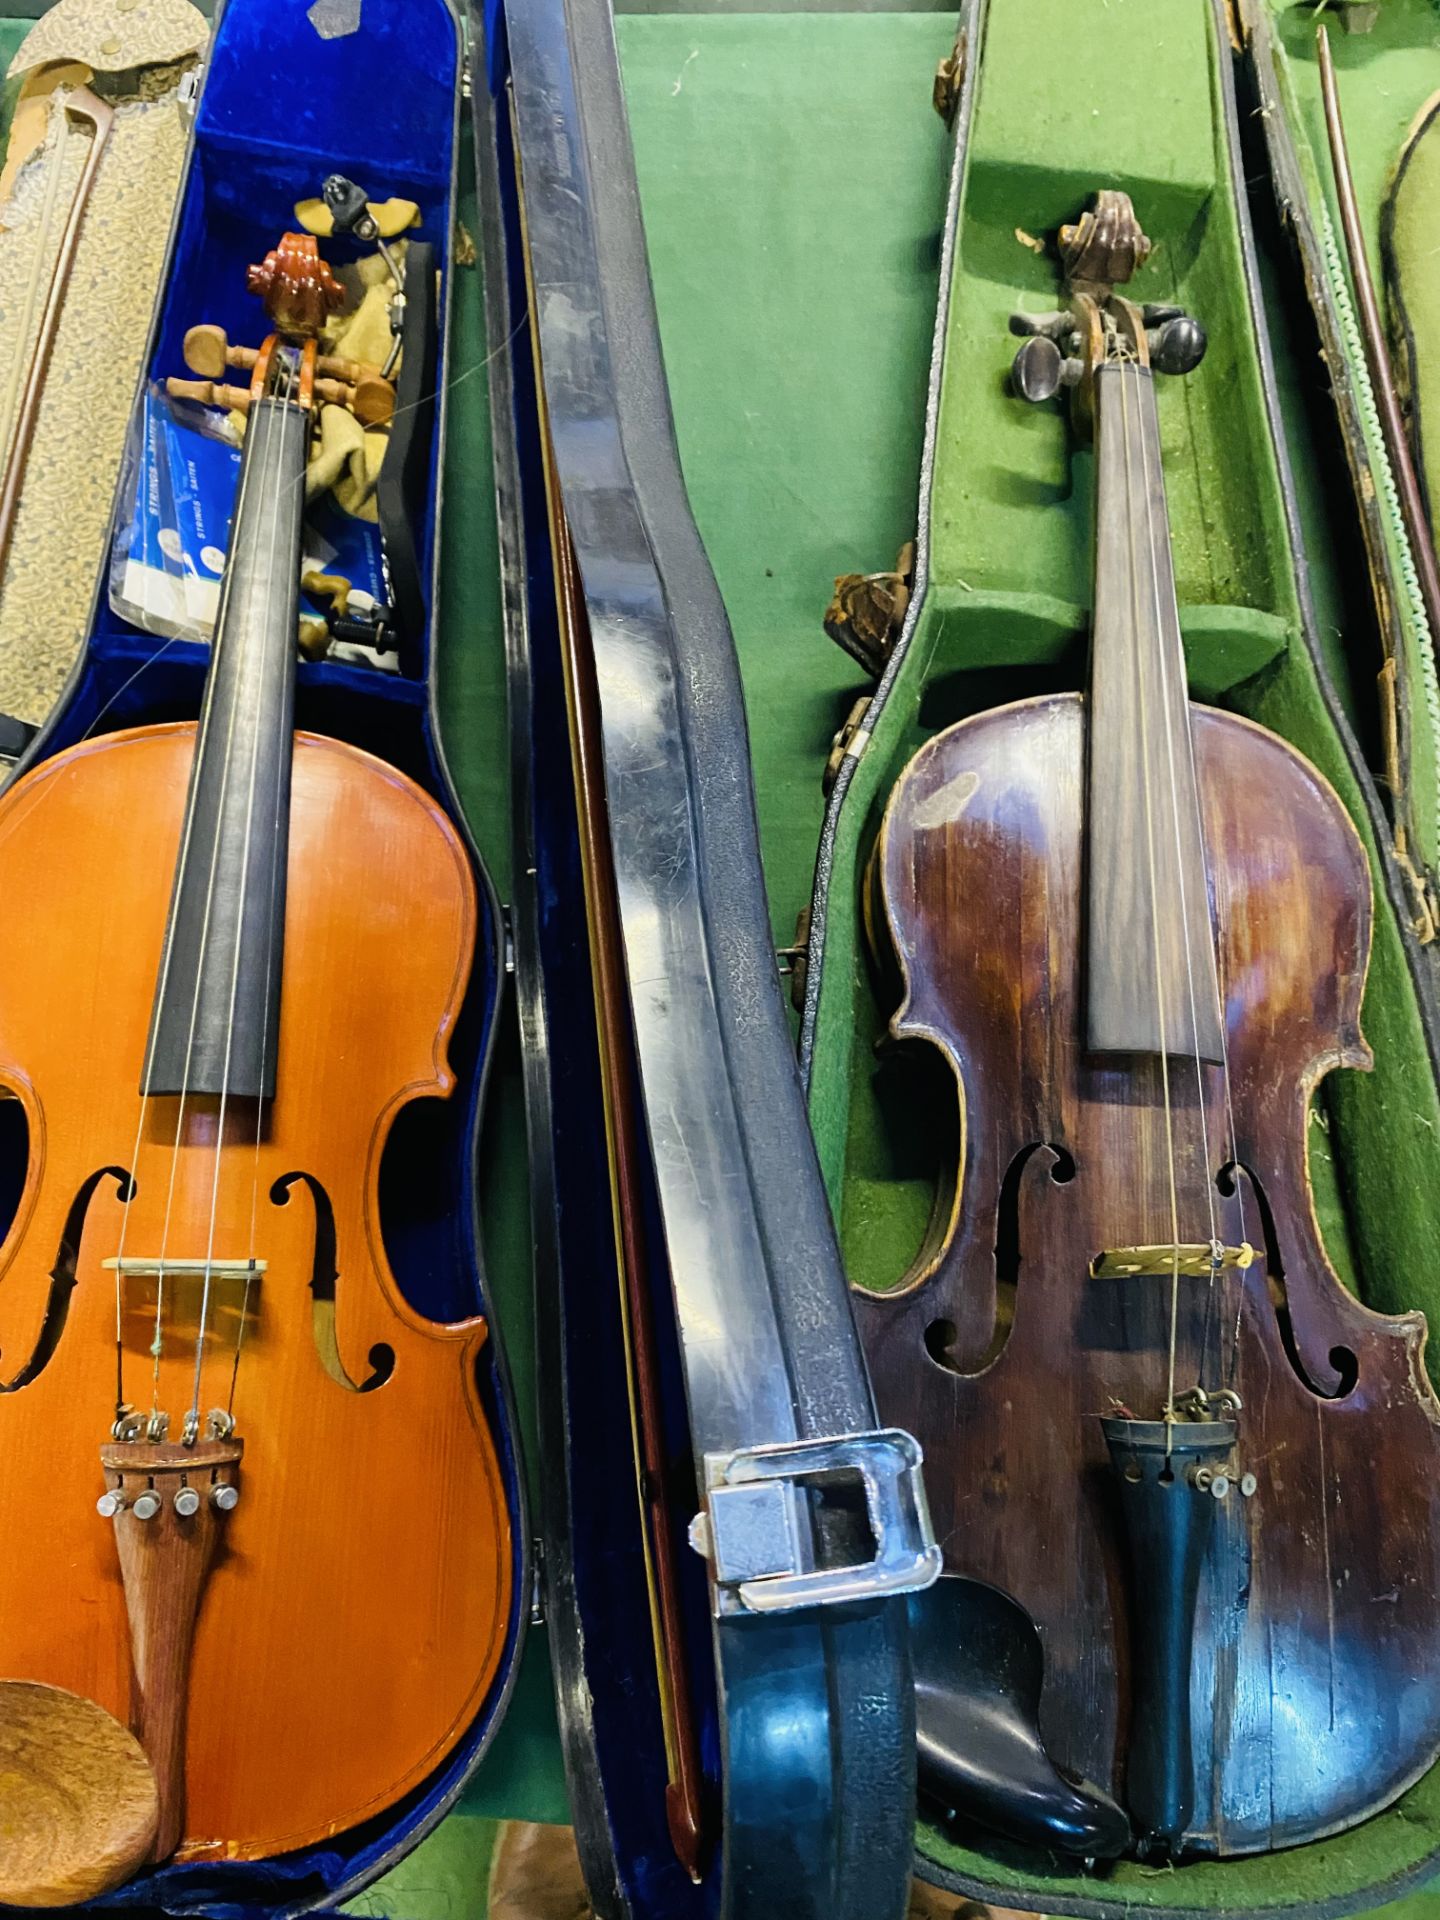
(1131, 521)
(254, 461)
(186, 847)
(1231, 1137)
(275, 414)
(276, 851)
(1178, 826)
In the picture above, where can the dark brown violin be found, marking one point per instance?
(1153, 1420)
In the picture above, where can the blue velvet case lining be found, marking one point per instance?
(281, 108)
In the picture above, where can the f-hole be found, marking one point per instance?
(63, 1275)
(1345, 1363)
(941, 1335)
(324, 1280)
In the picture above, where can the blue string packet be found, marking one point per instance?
(166, 571)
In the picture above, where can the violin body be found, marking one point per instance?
(356, 1610)
(1314, 1692)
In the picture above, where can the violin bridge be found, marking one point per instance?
(1198, 1260)
(141, 1267)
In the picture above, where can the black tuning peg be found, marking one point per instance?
(1054, 326)
(1038, 369)
(1177, 342)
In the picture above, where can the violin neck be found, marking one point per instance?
(1151, 983)
(215, 1024)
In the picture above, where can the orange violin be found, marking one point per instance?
(242, 953)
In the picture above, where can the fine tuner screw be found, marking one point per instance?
(1218, 1485)
(224, 1497)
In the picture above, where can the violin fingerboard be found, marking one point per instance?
(1150, 952)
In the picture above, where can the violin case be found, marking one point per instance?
(1277, 628)
(288, 96)
(833, 267)
(812, 1520)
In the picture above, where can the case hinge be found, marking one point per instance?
(816, 1522)
(187, 93)
(849, 743)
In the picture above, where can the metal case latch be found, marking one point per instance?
(816, 1522)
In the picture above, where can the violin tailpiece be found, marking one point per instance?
(168, 1503)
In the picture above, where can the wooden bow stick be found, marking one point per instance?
(82, 106)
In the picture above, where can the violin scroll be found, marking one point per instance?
(1105, 247)
(1101, 251)
(298, 288)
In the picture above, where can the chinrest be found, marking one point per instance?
(979, 1667)
(79, 1807)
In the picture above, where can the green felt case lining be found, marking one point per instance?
(792, 178)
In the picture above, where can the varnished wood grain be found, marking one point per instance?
(1316, 1688)
(78, 1806)
(355, 1615)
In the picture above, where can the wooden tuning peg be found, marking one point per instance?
(209, 393)
(372, 400)
(345, 383)
(208, 352)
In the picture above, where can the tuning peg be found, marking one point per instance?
(1039, 369)
(1036, 369)
(371, 399)
(1053, 326)
(1178, 344)
(208, 352)
(209, 393)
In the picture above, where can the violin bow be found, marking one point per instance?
(83, 106)
(687, 1816)
(684, 1791)
(1377, 354)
